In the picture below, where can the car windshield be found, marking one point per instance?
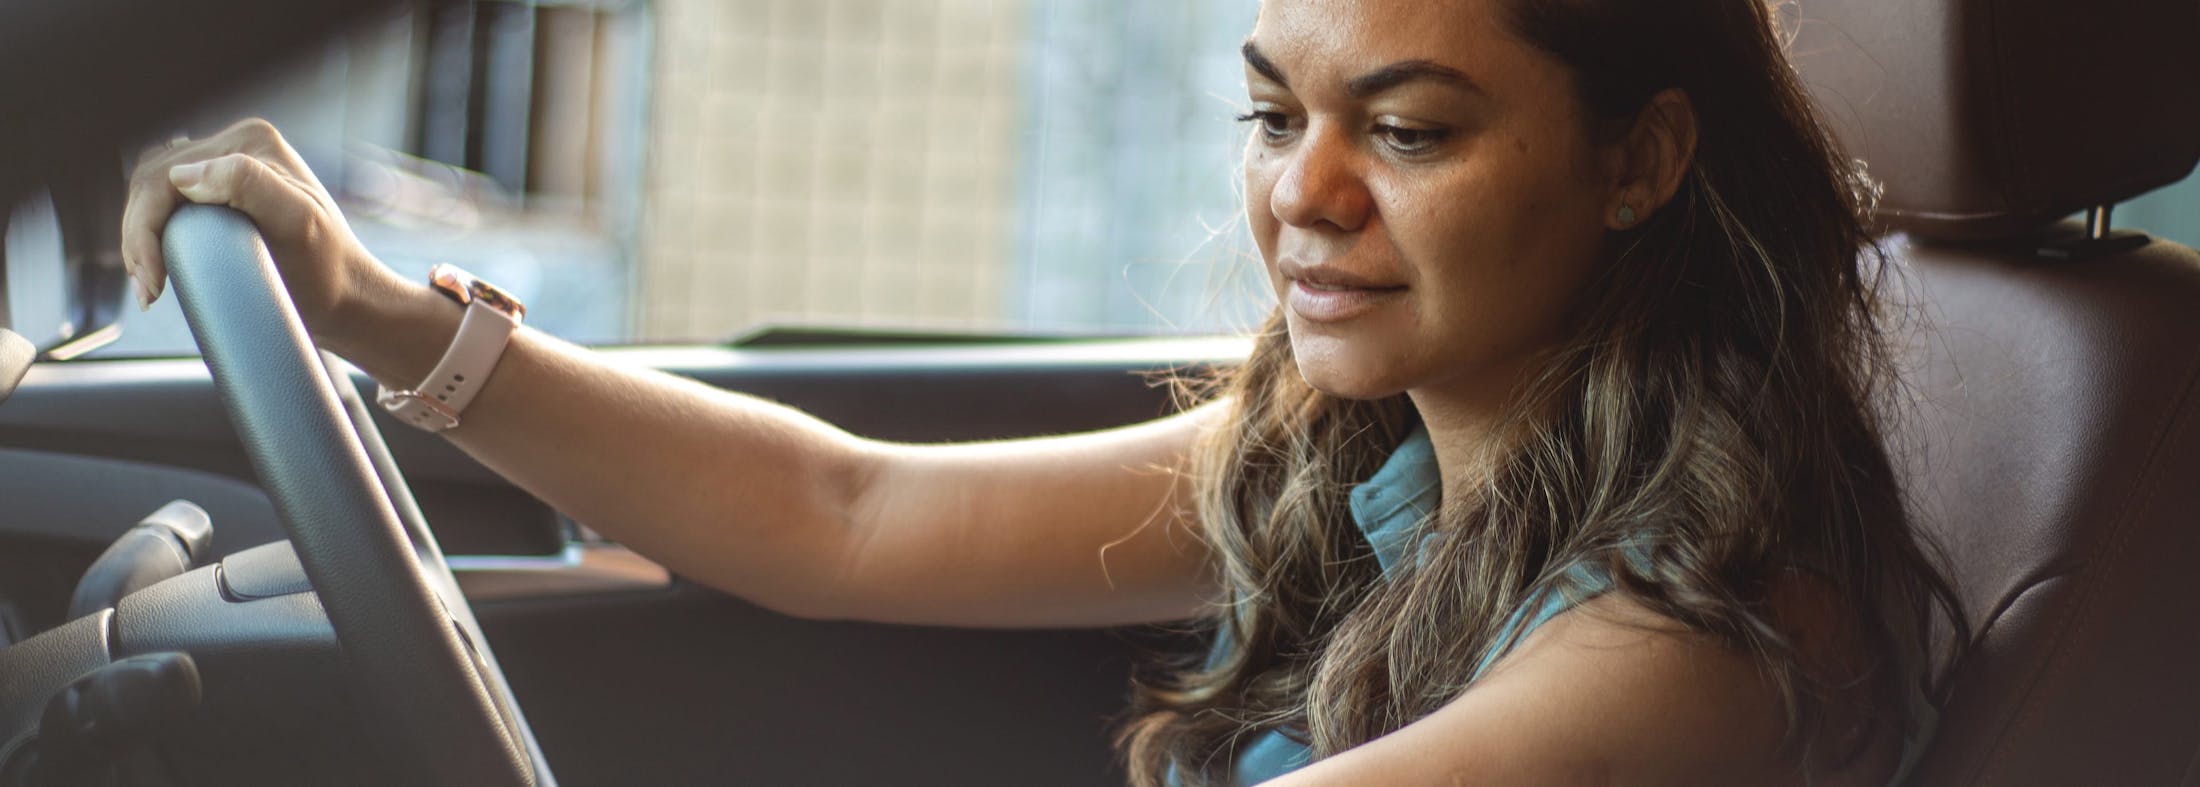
(697, 171)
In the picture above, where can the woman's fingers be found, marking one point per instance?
(247, 184)
(237, 180)
(144, 215)
(247, 166)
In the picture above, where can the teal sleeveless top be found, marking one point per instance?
(1390, 509)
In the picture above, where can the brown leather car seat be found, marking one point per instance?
(2052, 437)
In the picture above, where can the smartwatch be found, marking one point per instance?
(491, 316)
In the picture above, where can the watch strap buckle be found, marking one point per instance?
(417, 409)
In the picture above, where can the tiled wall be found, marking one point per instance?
(830, 161)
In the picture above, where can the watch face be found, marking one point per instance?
(458, 285)
(498, 299)
(454, 283)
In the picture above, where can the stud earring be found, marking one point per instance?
(1626, 215)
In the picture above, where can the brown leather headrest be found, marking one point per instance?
(1986, 118)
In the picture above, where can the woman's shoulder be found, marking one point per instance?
(1695, 699)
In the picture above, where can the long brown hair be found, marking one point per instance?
(1713, 414)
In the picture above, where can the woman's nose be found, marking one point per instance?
(1321, 184)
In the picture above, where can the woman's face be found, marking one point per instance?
(1423, 190)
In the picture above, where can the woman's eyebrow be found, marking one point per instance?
(1402, 72)
(1373, 82)
(1262, 65)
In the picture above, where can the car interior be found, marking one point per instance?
(222, 570)
(2049, 439)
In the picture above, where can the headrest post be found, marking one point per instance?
(2096, 239)
(2096, 221)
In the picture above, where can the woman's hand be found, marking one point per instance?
(249, 167)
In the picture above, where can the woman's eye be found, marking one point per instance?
(1274, 126)
(1411, 141)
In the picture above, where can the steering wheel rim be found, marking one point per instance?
(414, 656)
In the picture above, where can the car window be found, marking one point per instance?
(2172, 213)
(696, 170)
(699, 170)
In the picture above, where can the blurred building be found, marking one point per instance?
(672, 170)
(837, 161)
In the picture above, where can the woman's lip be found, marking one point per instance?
(1333, 303)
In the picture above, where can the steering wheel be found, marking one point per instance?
(416, 658)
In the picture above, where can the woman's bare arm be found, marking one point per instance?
(772, 505)
(1085, 529)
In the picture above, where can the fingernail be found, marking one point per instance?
(186, 178)
(186, 175)
(145, 298)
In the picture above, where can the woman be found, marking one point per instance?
(1555, 465)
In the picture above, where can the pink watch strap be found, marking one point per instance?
(452, 384)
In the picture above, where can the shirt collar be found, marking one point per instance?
(1390, 505)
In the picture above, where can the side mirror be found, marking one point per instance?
(63, 284)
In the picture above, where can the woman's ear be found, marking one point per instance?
(1653, 158)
